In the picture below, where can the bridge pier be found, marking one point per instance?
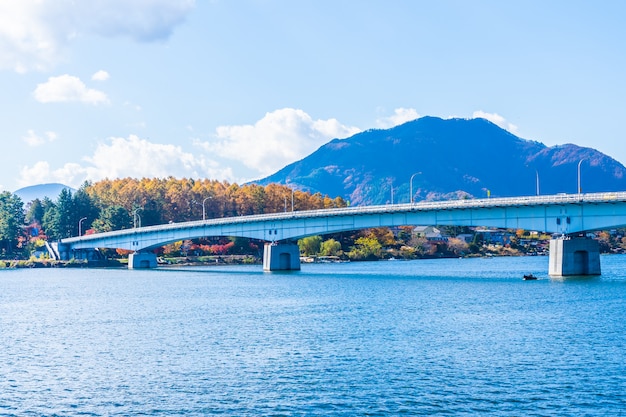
(574, 256)
(142, 260)
(281, 257)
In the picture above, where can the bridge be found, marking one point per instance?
(565, 215)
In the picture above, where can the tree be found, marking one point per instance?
(35, 212)
(422, 246)
(366, 248)
(11, 220)
(458, 246)
(113, 218)
(57, 219)
(310, 245)
(84, 207)
(383, 235)
(330, 247)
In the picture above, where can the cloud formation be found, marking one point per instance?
(100, 76)
(126, 157)
(279, 138)
(35, 33)
(135, 157)
(32, 139)
(67, 88)
(399, 116)
(496, 119)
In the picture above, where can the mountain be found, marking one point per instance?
(41, 191)
(447, 158)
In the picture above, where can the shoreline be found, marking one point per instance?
(213, 260)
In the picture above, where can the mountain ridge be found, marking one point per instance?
(451, 158)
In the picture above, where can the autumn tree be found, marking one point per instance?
(366, 248)
(457, 247)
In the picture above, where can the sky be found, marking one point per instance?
(235, 90)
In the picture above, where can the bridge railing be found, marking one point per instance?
(355, 210)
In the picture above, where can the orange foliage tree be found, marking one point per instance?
(163, 200)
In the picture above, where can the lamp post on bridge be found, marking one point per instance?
(136, 217)
(411, 186)
(537, 173)
(80, 233)
(203, 209)
(579, 188)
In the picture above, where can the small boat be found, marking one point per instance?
(529, 277)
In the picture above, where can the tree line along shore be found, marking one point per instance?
(125, 203)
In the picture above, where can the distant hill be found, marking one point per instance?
(52, 191)
(451, 158)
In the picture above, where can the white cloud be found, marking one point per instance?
(400, 115)
(35, 33)
(67, 88)
(100, 76)
(135, 157)
(281, 137)
(496, 119)
(32, 139)
(70, 174)
(126, 157)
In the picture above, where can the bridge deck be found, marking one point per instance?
(563, 213)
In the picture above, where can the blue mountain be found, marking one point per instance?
(52, 191)
(447, 158)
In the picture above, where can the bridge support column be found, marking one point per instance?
(575, 256)
(143, 260)
(281, 257)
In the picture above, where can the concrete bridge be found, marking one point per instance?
(566, 215)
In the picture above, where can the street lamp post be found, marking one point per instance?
(203, 209)
(80, 232)
(537, 174)
(136, 217)
(411, 186)
(579, 189)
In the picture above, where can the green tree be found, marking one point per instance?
(310, 245)
(59, 218)
(84, 206)
(11, 220)
(35, 212)
(113, 218)
(330, 247)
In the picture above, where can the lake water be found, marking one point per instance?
(432, 337)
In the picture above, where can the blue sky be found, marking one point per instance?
(236, 89)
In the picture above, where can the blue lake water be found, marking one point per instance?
(432, 337)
